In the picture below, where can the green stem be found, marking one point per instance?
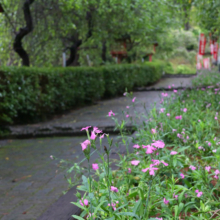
(148, 196)
(108, 181)
(90, 190)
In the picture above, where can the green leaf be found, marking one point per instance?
(137, 205)
(77, 217)
(128, 214)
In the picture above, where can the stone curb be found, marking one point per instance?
(61, 131)
(180, 75)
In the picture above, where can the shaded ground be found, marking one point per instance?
(30, 181)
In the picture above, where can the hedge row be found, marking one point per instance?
(32, 94)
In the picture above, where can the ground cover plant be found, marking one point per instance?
(173, 170)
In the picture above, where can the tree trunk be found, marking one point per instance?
(186, 19)
(104, 49)
(17, 45)
(187, 27)
(73, 58)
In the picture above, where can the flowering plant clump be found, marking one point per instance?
(172, 171)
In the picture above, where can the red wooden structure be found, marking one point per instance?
(150, 54)
(119, 50)
(1, 9)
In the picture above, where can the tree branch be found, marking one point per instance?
(18, 48)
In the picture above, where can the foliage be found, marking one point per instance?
(173, 171)
(185, 69)
(32, 94)
(207, 15)
(207, 78)
(58, 24)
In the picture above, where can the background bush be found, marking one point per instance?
(33, 94)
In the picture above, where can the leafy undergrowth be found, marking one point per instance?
(181, 65)
(207, 78)
(173, 171)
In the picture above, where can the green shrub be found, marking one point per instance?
(169, 68)
(185, 69)
(33, 94)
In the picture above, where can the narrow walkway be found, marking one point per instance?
(30, 181)
(71, 123)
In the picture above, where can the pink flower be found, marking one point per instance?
(102, 136)
(159, 218)
(208, 168)
(151, 170)
(162, 110)
(136, 146)
(127, 116)
(129, 170)
(198, 193)
(114, 189)
(173, 153)
(153, 131)
(86, 128)
(169, 87)
(157, 162)
(135, 162)
(165, 201)
(111, 113)
(96, 130)
(85, 144)
(127, 107)
(182, 175)
(216, 177)
(93, 136)
(150, 149)
(159, 144)
(216, 118)
(185, 110)
(175, 196)
(164, 94)
(217, 172)
(95, 166)
(175, 91)
(133, 100)
(51, 157)
(168, 114)
(165, 164)
(124, 94)
(192, 167)
(214, 151)
(85, 202)
(178, 117)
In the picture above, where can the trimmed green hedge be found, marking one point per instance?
(32, 94)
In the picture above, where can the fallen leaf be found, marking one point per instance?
(7, 158)
(23, 177)
(24, 212)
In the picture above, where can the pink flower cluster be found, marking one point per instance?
(93, 136)
(84, 202)
(113, 205)
(114, 189)
(199, 194)
(178, 117)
